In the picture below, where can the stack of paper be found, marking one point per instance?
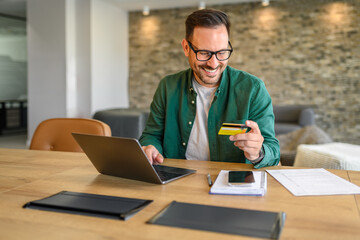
(258, 188)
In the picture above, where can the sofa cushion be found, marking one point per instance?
(281, 128)
(289, 118)
(306, 135)
(124, 122)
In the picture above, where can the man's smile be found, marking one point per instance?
(210, 71)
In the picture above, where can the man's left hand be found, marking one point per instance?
(250, 142)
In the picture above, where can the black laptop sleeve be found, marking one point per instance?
(90, 205)
(260, 224)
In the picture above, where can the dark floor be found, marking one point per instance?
(13, 141)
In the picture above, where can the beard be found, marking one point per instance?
(208, 76)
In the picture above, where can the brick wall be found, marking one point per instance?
(306, 52)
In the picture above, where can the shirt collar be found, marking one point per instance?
(221, 87)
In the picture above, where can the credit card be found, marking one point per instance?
(233, 128)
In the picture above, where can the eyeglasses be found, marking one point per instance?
(206, 55)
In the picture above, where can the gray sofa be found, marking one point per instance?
(124, 122)
(289, 118)
(290, 126)
(290, 141)
(130, 122)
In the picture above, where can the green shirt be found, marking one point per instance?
(239, 97)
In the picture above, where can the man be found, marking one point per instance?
(189, 107)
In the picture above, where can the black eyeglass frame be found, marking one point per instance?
(211, 52)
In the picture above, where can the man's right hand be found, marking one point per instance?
(153, 154)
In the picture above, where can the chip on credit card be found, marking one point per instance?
(233, 128)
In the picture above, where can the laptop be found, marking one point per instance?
(124, 157)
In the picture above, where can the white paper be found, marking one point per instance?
(258, 188)
(313, 182)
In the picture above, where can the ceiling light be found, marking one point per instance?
(265, 3)
(202, 5)
(146, 11)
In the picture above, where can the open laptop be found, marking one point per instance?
(124, 157)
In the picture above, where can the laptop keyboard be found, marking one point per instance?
(165, 173)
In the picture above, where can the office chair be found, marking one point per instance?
(55, 134)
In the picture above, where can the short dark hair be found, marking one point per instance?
(206, 18)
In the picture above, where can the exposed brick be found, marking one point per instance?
(306, 52)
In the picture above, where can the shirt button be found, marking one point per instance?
(184, 143)
(190, 123)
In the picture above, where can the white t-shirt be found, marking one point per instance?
(198, 145)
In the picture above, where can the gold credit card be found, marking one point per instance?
(233, 128)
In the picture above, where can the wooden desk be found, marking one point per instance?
(30, 175)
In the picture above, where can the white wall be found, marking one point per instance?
(78, 58)
(70, 54)
(83, 57)
(46, 61)
(109, 59)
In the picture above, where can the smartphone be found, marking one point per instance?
(240, 177)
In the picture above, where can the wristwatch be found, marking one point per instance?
(261, 156)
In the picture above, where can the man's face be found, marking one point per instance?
(207, 73)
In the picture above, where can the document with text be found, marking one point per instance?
(313, 182)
